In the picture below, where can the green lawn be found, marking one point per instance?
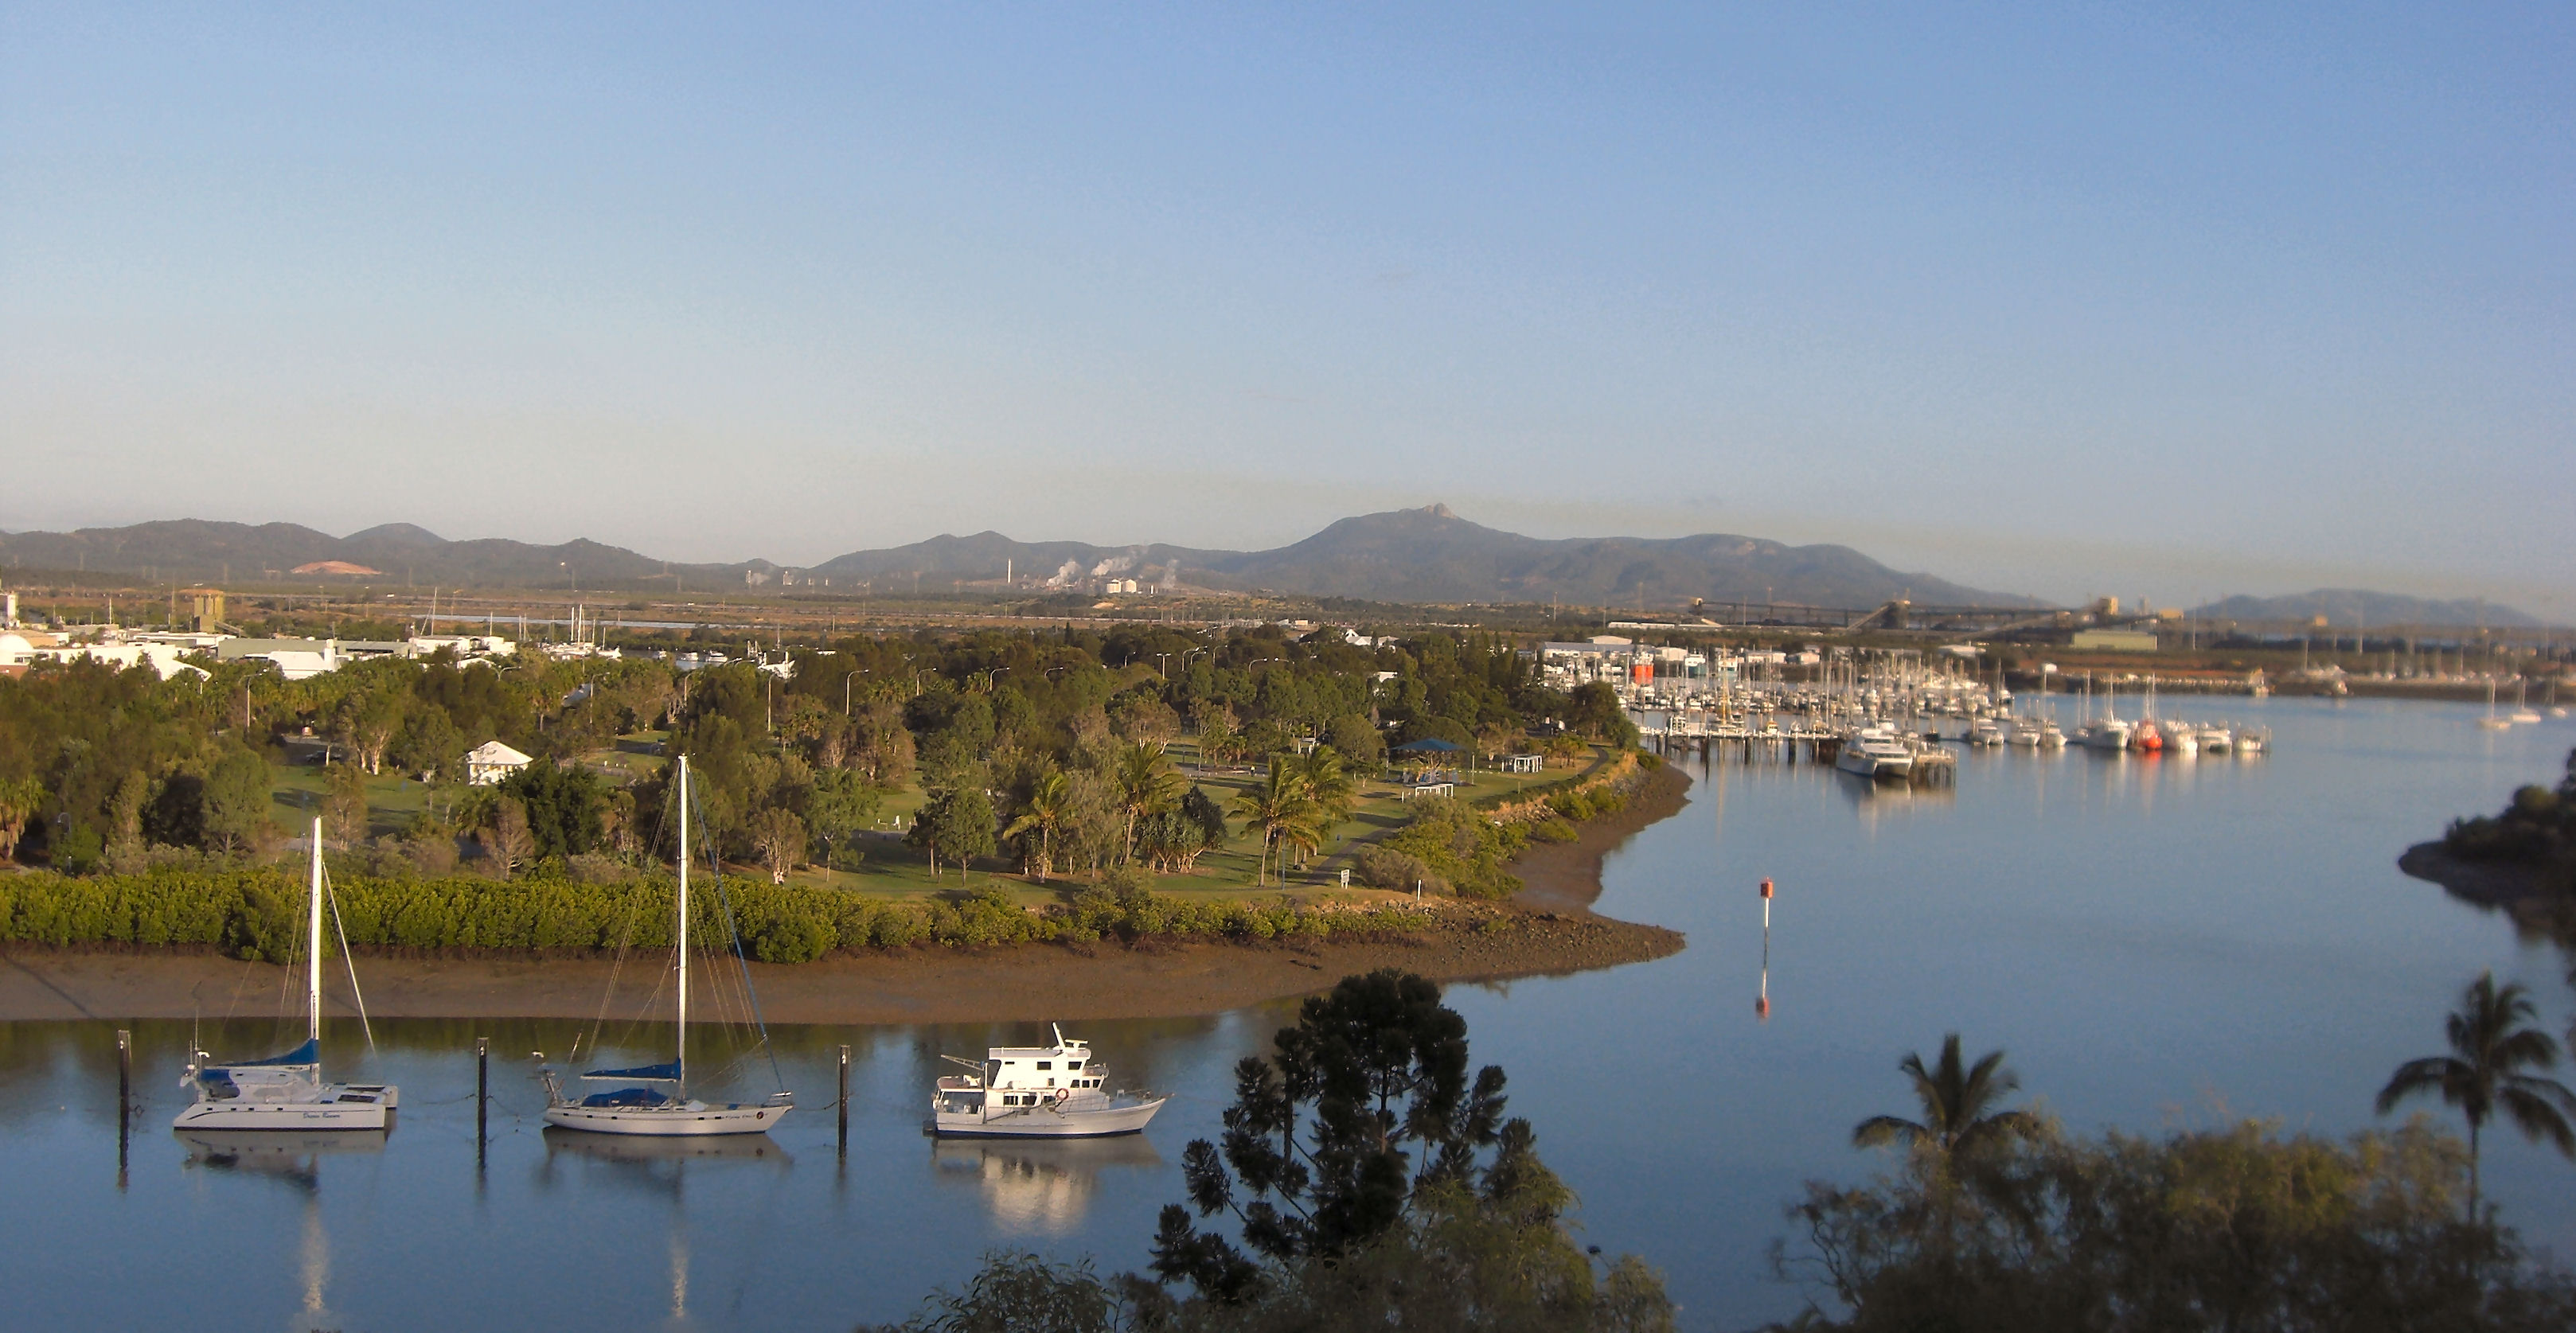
(296, 797)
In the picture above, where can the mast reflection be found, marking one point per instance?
(296, 1161)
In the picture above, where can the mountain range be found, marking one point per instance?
(1412, 555)
(1407, 555)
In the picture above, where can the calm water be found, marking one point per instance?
(2155, 941)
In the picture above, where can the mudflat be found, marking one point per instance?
(1549, 929)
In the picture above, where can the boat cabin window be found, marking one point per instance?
(1042, 1064)
(1073, 1064)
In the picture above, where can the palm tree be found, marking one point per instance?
(2492, 1042)
(1146, 785)
(1331, 785)
(1050, 805)
(1959, 1105)
(1283, 808)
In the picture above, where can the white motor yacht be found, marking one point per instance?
(286, 1092)
(1876, 752)
(2104, 733)
(2217, 739)
(1037, 1092)
(1985, 731)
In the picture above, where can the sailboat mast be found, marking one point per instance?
(684, 921)
(313, 943)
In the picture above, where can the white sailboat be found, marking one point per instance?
(656, 1099)
(2522, 712)
(2491, 722)
(286, 1092)
(1036, 1092)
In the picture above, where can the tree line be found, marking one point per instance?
(1051, 748)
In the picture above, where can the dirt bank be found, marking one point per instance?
(1550, 930)
(1566, 876)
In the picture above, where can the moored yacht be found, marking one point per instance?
(1985, 731)
(2037, 733)
(2104, 733)
(1037, 1092)
(1876, 752)
(286, 1092)
(656, 1098)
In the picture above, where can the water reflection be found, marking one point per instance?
(296, 1160)
(651, 1148)
(287, 1156)
(1036, 1185)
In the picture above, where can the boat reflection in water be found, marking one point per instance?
(653, 1151)
(659, 1165)
(296, 1159)
(282, 1154)
(1039, 1185)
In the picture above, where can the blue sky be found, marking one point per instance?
(2066, 299)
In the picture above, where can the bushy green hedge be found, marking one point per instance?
(1458, 844)
(257, 914)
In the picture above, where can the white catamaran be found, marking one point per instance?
(1877, 753)
(287, 1091)
(656, 1100)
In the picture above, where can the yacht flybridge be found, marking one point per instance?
(655, 1099)
(1036, 1092)
(286, 1092)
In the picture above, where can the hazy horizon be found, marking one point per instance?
(2186, 303)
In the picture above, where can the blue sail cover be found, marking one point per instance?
(669, 1073)
(310, 1053)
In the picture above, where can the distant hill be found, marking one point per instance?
(1411, 555)
(197, 551)
(2358, 608)
(1432, 555)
